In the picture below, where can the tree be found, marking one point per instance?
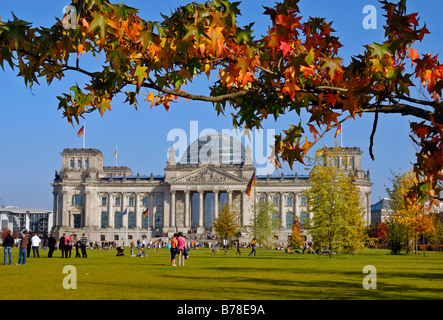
(296, 239)
(378, 232)
(295, 67)
(437, 236)
(265, 225)
(397, 236)
(334, 206)
(228, 224)
(417, 218)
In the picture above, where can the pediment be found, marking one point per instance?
(208, 175)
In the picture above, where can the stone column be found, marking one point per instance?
(243, 209)
(294, 203)
(110, 209)
(151, 211)
(187, 213)
(201, 205)
(172, 222)
(88, 209)
(60, 207)
(368, 208)
(216, 192)
(65, 201)
(122, 208)
(282, 214)
(166, 210)
(54, 210)
(136, 211)
(229, 197)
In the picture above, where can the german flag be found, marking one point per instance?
(81, 131)
(146, 212)
(338, 131)
(250, 185)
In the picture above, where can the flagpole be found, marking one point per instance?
(116, 155)
(341, 136)
(84, 134)
(255, 206)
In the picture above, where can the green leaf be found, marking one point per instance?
(99, 22)
(140, 75)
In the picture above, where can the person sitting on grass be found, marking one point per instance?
(142, 252)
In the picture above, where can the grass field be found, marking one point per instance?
(271, 275)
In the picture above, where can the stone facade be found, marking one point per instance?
(107, 203)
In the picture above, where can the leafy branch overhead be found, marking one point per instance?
(295, 67)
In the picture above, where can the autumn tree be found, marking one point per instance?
(265, 225)
(418, 219)
(296, 239)
(378, 232)
(293, 68)
(228, 222)
(336, 215)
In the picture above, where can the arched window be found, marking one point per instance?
(276, 216)
(118, 220)
(145, 221)
(303, 218)
(78, 200)
(289, 220)
(131, 220)
(104, 220)
(158, 220)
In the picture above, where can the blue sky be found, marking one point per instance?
(33, 132)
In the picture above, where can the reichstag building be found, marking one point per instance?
(111, 203)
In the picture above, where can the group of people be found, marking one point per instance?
(28, 243)
(178, 246)
(65, 246)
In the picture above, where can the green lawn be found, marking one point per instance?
(272, 275)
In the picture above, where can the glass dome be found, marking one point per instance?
(214, 148)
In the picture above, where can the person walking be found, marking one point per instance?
(23, 247)
(77, 246)
(35, 244)
(225, 245)
(68, 246)
(51, 245)
(238, 248)
(181, 247)
(252, 245)
(83, 243)
(61, 244)
(174, 248)
(8, 243)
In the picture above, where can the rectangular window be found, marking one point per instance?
(158, 201)
(71, 163)
(289, 201)
(276, 201)
(77, 221)
(262, 199)
(79, 163)
(87, 163)
(117, 201)
(131, 201)
(303, 201)
(104, 201)
(145, 201)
